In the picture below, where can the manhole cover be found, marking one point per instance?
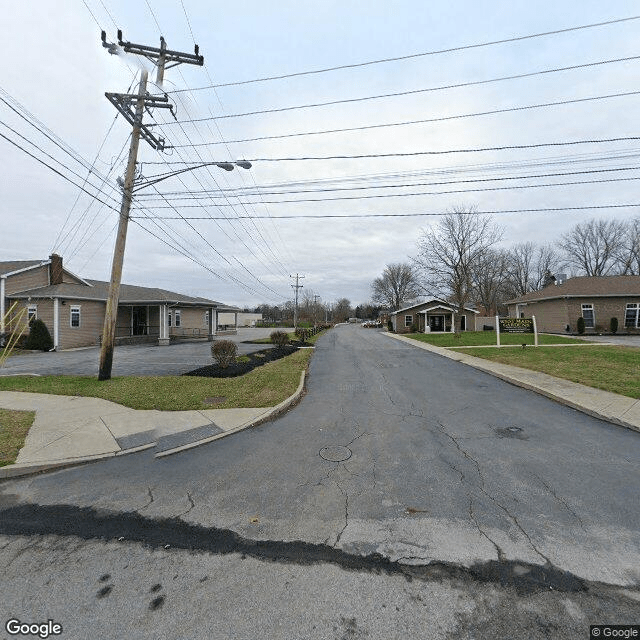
(335, 453)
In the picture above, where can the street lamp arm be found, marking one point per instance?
(227, 166)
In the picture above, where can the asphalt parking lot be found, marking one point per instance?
(131, 360)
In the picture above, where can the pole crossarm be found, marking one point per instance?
(154, 53)
(124, 102)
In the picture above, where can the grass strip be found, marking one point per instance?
(611, 368)
(487, 338)
(14, 426)
(265, 386)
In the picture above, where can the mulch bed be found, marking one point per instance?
(256, 359)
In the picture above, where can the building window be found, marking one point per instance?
(169, 318)
(408, 321)
(32, 313)
(206, 318)
(75, 316)
(463, 323)
(177, 317)
(632, 315)
(587, 314)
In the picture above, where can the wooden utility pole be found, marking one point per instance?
(296, 286)
(124, 102)
(111, 312)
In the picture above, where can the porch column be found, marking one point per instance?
(235, 321)
(163, 339)
(214, 320)
(56, 324)
(212, 328)
(453, 322)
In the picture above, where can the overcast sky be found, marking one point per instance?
(54, 66)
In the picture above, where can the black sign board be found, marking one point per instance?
(516, 325)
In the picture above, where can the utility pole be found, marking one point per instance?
(296, 286)
(315, 309)
(123, 103)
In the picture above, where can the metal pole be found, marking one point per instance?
(111, 312)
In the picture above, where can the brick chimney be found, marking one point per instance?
(55, 269)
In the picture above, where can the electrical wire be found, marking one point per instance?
(315, 105)
(313, 216)
(421, 121)
(419, 55)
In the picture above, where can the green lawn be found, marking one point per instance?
(14, 426)
(265, 386)
(479, 338)
(615, 369)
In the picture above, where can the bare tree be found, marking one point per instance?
(447, 254)
(397, 285)
(342, 310)
(628, 256)
(521, 268)
(547, 262)
(490, 275)
(593, 247)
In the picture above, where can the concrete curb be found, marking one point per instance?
(510, 374)
(19, 470)
(269, 413)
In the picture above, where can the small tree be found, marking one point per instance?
(39, 336)
(613, 325)
(279, 338)
(302, 334)
(580, 325)
(224, 352)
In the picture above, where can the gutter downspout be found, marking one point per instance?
(3, 280)
(56, 325)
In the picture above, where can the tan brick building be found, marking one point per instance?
(596, 299)
(73, 308)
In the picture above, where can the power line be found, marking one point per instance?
(418, 55)
(314, 105)
(423, 121)
(379, 196)
(409, 154)
(417, 215)
(409, 184)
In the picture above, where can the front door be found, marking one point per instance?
(139, 321)
(436, 323)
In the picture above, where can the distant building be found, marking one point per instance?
(73, 308)
(433, 316)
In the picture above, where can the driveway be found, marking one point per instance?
(131, 360)
(406, 496)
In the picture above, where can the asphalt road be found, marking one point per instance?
(406, 496)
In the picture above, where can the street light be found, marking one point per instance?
(227, 166)
(111, 310)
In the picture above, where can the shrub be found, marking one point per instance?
(302, 334)
(39, 337)
(224, 352)
(279, 338)
(389, 325)
(413, 328)
(580, 325)
(613, 325)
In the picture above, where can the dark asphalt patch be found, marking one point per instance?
(87, 524)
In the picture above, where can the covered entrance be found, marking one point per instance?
(436, 323)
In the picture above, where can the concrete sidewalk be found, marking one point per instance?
(621, 410)
(70, 430)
